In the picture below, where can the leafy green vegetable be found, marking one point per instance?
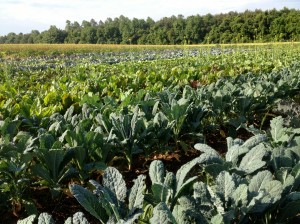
(107, 202)
(89, 201)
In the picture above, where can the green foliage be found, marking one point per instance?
(15, 158)
(108, 201)
(244, 188)
(175, 111)
(89, 202)
(168, 196)
(77, 218)
(168, 188)
(45, 218)
(233, 27)
(112, 112)
(53, 167)
(127, 129)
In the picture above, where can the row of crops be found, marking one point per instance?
(63, 124)
(49, 85)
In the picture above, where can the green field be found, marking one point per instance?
(223, 119)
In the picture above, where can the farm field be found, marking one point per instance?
(150, 134)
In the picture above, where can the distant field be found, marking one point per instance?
(24, 50)
(56, 49)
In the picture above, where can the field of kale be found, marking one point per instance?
(150, 134)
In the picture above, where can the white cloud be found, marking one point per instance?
(26, 15)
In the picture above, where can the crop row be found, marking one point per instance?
(257, 181)
(44, 91)
(53, 150)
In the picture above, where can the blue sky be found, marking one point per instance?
(26, 15)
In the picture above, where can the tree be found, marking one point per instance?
(111, 32)
(93, 23)
(73, 32)
(54, 35)
(248, 26)
(126, 29)
(194, 33)
(11, 38)
(88, 35)
(34, 37)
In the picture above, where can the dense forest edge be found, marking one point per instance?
(233, 27)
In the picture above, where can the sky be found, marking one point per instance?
(27, 15)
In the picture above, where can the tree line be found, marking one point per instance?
(232, 27)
